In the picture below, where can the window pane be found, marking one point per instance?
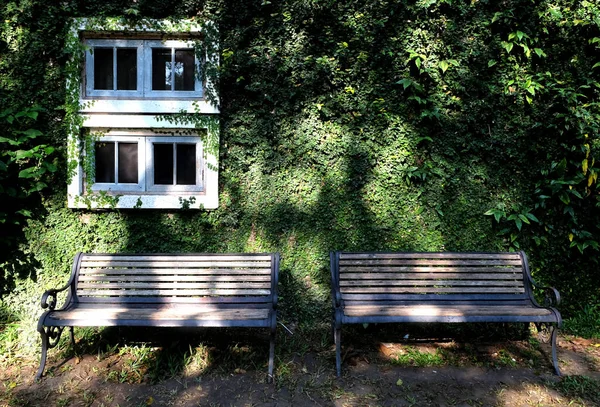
(161, 69)
(105, 162)
(184, 69)
(163, 164)
(186, 164)
(126, 69)
(103, 68)
(128, 163)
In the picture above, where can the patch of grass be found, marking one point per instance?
(410, 356)
(585, 323)
(583, 388)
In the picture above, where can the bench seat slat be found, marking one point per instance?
(432, 297)
(172, 278)
(430, 290)
(170, 258)
(172, 271)
(175, 264)
(430, 276)
(431, 270)
(249, 301)
(172, 292)
(430, 263)
(429, 255)
(429, 283)
(176, 317)
(452, 310)
(152, 285)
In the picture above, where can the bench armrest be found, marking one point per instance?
(551, 294)
(49, 298)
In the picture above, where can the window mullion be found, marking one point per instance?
(116, 162)
(172, 69)
(174, 163)
(114, 68)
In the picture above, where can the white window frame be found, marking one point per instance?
(150, 141)
(146, 163)
(144, 70)
(123, 187)
(114, 44)
(172, 94)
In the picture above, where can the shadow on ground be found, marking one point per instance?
(115, 368)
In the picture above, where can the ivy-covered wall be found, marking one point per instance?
(380, 125)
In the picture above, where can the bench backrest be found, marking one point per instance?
(170, 278)
(431, 277)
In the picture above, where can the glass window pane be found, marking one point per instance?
(186, 164)
(105, 162)
(126, 69)
(128, 163)
(103, 68)
(161, 69)
(184, 69)
(163, 164)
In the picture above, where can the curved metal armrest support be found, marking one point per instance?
(49, 299)
(551, 294)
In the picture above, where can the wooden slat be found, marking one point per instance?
(126, 293)
(149, 313)
(174, 257)
(419, 310)
(381, 296)
(521, 302)
(429, 255)
(177, 271)
(175, 264)
(452, 283)
(425, 269)
(430, 276)
(247, 301)
(158, 278)
(179, 286)
(428, 290)
(429, 263)
(445, 311)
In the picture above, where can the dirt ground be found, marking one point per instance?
(375, 373)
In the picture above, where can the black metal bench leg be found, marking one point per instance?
(271, 356)
(45, 345)
(338, 350)
(554, 355)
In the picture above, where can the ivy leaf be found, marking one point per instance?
(405, 82)
(20, 154)
(519, 223)
(28, 172)
(444, 65)
(32, 133)
(508, 46)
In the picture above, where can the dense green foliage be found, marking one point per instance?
(381, 125)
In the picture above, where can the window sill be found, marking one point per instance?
(142, 106)
(183, 201)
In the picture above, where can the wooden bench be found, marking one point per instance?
(437, 287)
(164, 290)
